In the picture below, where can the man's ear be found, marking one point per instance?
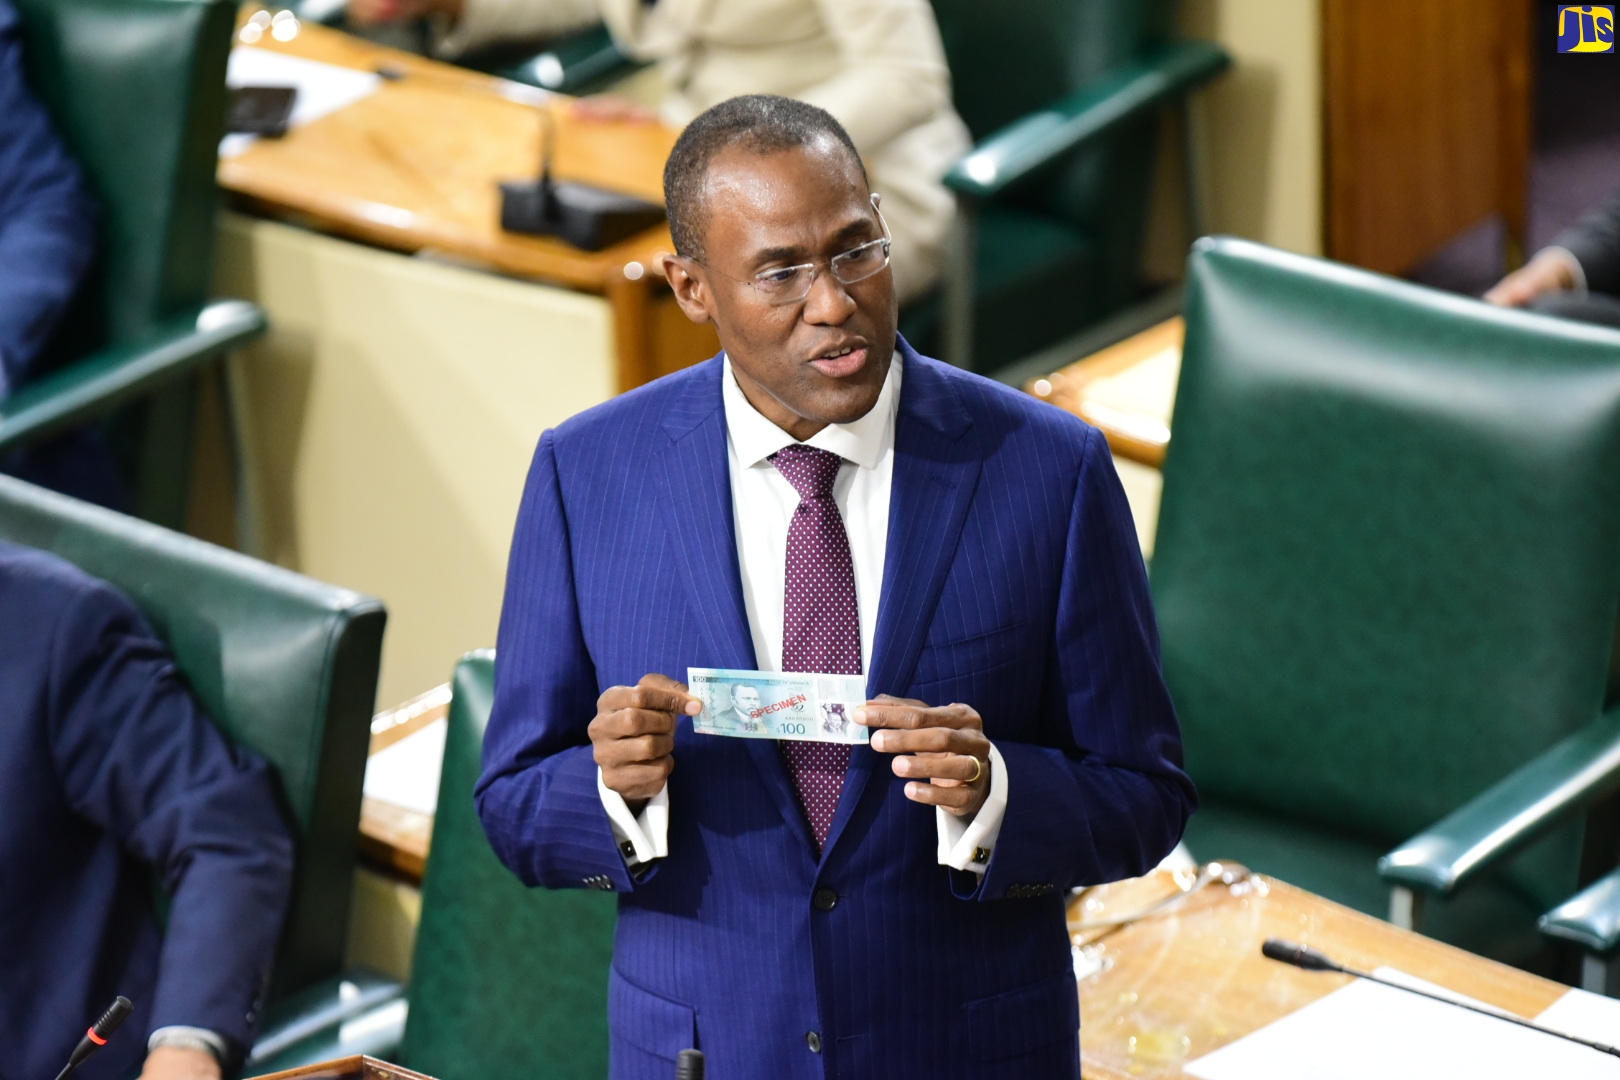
(691, 291)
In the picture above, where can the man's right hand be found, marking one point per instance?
(633, 735)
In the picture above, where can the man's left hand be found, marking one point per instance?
(940, 748)
(175, 1063)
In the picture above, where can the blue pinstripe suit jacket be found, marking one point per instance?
(1013, 582)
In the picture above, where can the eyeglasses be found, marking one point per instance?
(792, 284)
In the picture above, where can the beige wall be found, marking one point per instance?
(1263, 120)
(393, 408)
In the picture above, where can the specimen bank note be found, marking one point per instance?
(778, 704)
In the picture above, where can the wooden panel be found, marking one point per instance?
(350, 1068)
(1428, 123)
(1177, 986)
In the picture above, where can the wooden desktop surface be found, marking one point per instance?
(359, 1067)
(1136, 429)
(396, 838)
(415, 166)
(1183, 984)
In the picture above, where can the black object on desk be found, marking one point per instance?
(589, 218)
(260, 110)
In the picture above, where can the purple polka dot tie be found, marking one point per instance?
(821, 623)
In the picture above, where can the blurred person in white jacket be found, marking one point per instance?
(877, 65)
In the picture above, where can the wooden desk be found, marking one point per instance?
(1186, 983)
(415, 165)
(395, 837)
(1126, 391)
(359, 1067)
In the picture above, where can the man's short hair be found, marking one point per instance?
(760, 124)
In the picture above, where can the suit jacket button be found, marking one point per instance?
(824, 900)
(812, 1039)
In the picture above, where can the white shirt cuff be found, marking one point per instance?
(968, 845)
(647, 833)
(1571, 263)
(177, 1034)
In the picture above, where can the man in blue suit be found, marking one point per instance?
(819, 497)
(112, 780)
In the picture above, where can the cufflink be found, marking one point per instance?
(980, 855)
(627, 848)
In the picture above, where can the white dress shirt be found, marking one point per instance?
(764, 504)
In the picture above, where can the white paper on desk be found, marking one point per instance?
(1365, 1030)
(1586, 1016)
(322, 88)
(407, 773)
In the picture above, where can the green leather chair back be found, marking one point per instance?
(137, 89)
(1062, 248)
(508, 982)
(285, 664)
(1009, 60)
(1012, 59)
(1387, 568)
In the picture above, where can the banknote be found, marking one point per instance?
(778, 704)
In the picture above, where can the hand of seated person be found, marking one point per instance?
(375, 12)
(1547, 272)
(604, 108)
(174, 1063)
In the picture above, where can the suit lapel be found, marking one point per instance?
(697, 479)
(937, 462)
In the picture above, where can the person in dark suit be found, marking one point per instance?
(112, 781)
(819, 497)
(48, 220)
(1575, 277)
(49, 224)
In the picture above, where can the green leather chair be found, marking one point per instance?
(1063, 99)
(288, 667)
(507, 982)
(137, 89)
(1387, 577)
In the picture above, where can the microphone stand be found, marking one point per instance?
(1308, 959)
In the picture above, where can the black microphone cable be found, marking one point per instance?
(1309, 959)
(98, 1034)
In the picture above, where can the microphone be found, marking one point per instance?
(1308, 959)
(689, 1066)
(589, 218)
(95, 1038)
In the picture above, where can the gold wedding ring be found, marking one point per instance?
(978, 771)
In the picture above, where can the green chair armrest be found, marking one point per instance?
(1590, 918)
(1571, 775)
(316, 1016)
(104, 380)
(1027, 144)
